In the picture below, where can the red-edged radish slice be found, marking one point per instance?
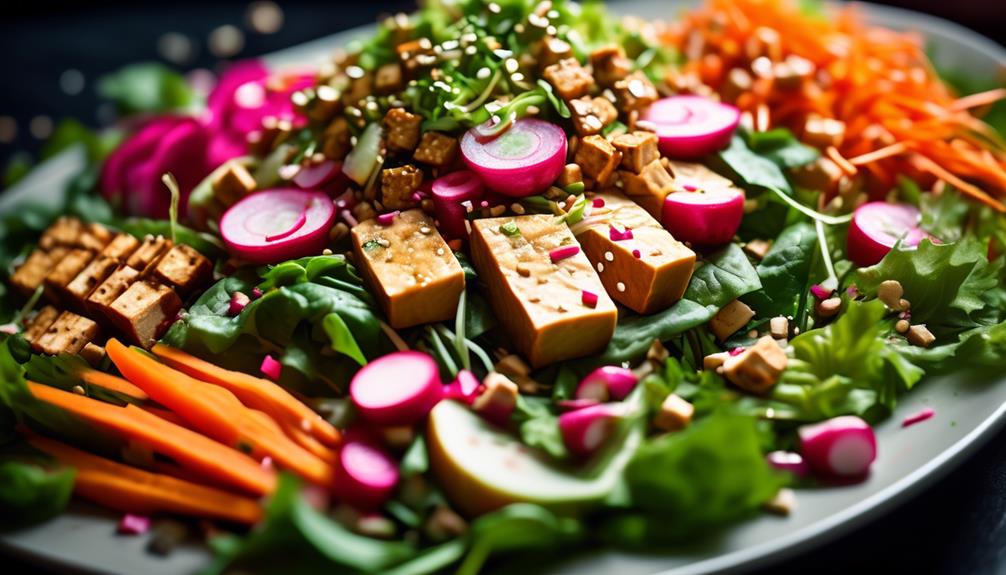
(704, 218)
(877, 226)
(317, 176)
(277, 225)
(448, 193)
(788, 461)
(841, 447)
(522, 161)
(465, 387)
(367, 477)
(586, 430)
(690, 127)
(607, 383)
(575, 404)
(398, 389)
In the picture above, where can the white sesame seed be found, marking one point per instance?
(620, 286)
(600, 267)
(440, 251)
(609, 256)
(424, 230)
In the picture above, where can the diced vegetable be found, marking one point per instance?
(709, 217)
(690, 127)
(877, 226)
(398, 389)
(276, 225)
(271, 368)
(323, 177)
(131, 524)
(367, 475)
(841, 447)
(522, 161)
(465, 387)
(448, 193)
(586, 430)
(364, 158)
(607, 383)
(238, 302)
(574, 404)
(788, 461)
(918, 417)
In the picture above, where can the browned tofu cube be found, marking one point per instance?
(639, 149)
(437, 149)
(398, 185)
(690, 177)
(184, 268)
(32, 272)
(401, 129)
(569, 79)
(68, 334)
(100, 300)
(232, 184)
(598, 159)
(409, 266)
(121, 247)
(416, 55)
(649, 188)
(541, 287)
(388, 79)
(675, 414)
(89, 278)
(40, 323)
(65, 231)
(552, 51)
(145, 310)
(757, 368)
(591, 115)
(94, 237)
(571, 174)
(646, 272)
(610, 65)
(336, 139)
(66, 269)
(635, 92)
(731, 318)
(150, 250)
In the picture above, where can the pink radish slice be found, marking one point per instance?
(575, 404)
(690, 127)
(367, 477)
(841, 447)
(877, 226)
(398, 389)
(704, 218)
(607, 383)
(315, 177)
(586, 430)
(522, 161)
(788, 461)
(465, 387)
(248, 225)
(448, 193)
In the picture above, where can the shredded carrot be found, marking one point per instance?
(980, 99)
(839, 159)
(879, 154)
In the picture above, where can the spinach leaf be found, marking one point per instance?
(782, 148)
(517, 527)
(148, 88)
(539, 426)
(785, 273)
(31, 494)
(751, 168)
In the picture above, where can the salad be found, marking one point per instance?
(504, 276)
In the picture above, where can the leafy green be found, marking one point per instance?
(539, 426)
(517, 527)
(782, 148)
(979, 347)
(146, 88)
(785, 273)
(30, 494)
(751, 168)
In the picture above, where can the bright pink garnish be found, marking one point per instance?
(387, 218)
(238, 303)
(417, 197)
(788, 461)
(842, 447)
(465, 387)
(852, 291)
(8, 328)
(267, 463)
(736, 351)
(710, 218)
(586, 430)
(315, 177)
(559, 254)
(367, 475)
(588, 298)
(877, 226)
(921, 416)
(256, 292)
(598, 202)
(453, 194)
(574, 404)
(349, 218)
(690, 188)
(270, 367)
(636, 254)
(617, 235)
(133, 524)
(398, 389)
(820, 292)
(609, 382)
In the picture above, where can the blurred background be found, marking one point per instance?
(56, 52)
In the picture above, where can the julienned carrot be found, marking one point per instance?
(308, 442)
(254, 392)
(113, 383)
(188, 448)
(216, 412)
(133, 490)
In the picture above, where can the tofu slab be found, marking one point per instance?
(32, 272)
(99, 302)
(540, 302)
(40, 323)
(148, 252)
(65, 270)
(68, 334)
(409, 265)
(121, 247)
(145, 310)
(648, 283)
(184, 268)
(90, 278)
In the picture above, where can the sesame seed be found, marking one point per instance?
(609, 256)
(424, 230)
(600, 267)
(440, 251)
(620, 286)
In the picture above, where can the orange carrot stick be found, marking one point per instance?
(979, 99)
(879, 154)
(113, 383)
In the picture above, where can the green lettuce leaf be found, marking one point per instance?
(782, 148)
(148, 87)
(30, 494)
(785, 273)
(750, 168)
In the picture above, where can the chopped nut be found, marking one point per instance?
(92, 354)
(639, 149)
(829, 307)
(920, 335)
(635, 92)
(715, 360)
(779, 327)
(398, 185)
(783, 503)
(675, 413)
(591, 115)
(598, 158)
(890, 292)
(437, 150)
(232, 184)
(902, 326)
(569, 78)
(402, 129)
(757, 368)
(757, 248)
(731, 318)
(610, 65)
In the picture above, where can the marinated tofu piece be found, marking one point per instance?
(610, 65)
(89, 278)
(689, 177)
(639, 149)
(94, 237)
(757, 368)
(437, 150)
(591, 115)
(675, 413)
(68, 334)
(66, 269)
(99, 302)
(40, 323)
(416, 55)
(232, 184)
(336, 140)
(148, 252)
(597, 158)
(409, 265)
(401, 129)
(552, 51)
(398, 185)
(731, 318)
(145, 310)
(640, 264)
(649, 188)
(184, 268)
(571, 174)
(388, 79)
(541, 287)
(63, 232)
(32, 272)
(635, 92)
(121, 247)
(569, 78)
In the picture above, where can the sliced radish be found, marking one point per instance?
(877, 226)
(690, 127)
(575, 404)
(586, 430)
(448, 193)
(706, 217)
(276, 225)
(607, 383)
(522, 161)
(841, 447)
(368, 475)
(318, 176)
(398, 389)
(238, 302)
(788, 461)
(465, 387)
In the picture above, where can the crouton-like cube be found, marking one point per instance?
(597, 158)
(822, 174)
(591, 115)
(416, 55)
(920, 335)
(639, 149)
(571, 174)
(690, 177)
(757, 368)
(635, 92)
(398, 185)
(149, 252)
(784, 502)
(336, 139)
(32, 272)
(610, 65)
(437, 150)
(499, 396)
(145, 310)
(640, 264)
(94, 237)
(757, 249)
(121, 247)
(537, 279)
(388, 78)
(100, 300)
(779, 327)
(415, 275)
(66, 269)
(731, 318)
(649, 188)
(93, 354)
(68, 334)
(823, 132)
(552, 51)
(675, 413)
(232, 184)
(184, 268)
(715, 360)
(40, 323)
(63, 232)
(401, 129)
(569, 79)
(89, 278)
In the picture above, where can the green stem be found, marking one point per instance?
(822, 241)
(481, 354)
(459, 333)
(814, 215)
(442, 350)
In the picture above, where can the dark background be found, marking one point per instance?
(956, 526)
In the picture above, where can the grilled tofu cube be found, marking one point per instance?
(121, 247)
(66, 269)
(591, 115)
(145, 310)
(649, 188)
(597, 158)
(569, 78)
(63, 232)
(32, 272)
(731, 318)
(337, 139)
(94, 237)
(409, 265)
(402, 129)
(100, 300)
(537, 290)
(184, 268)
(148, 252)
(40, 323)
(639, 149)
(437, 150)
(552, 51)
(635, 92)
(640, 264)
(610, 65)
(689, 177)
(398, 185)
(388, 79)
(68, 334)
(757, 368)
(231, 185)
(89, 278)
